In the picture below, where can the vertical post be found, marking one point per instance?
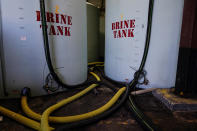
(187, 65)
(3, 91)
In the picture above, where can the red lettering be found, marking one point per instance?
(60, 30)
(121, 24)
(113, 26)
(115, 34)
(52, 30)
(67, 31)
(119, 34)
(69, 20)
(132, 23)
(124, 33)
(63, 19)
(117, 25)
(50, 17)
(57, 18)
(126, 24)
(38, 16)
(130, 33)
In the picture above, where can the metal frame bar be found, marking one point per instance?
(2, 60)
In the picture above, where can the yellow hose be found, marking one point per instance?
(29, 112)
(67, 119)
(37, 116)
(44, 126)
(31, 123)
(100, 65)
(96, 76)
(95, 63)
(96, 112)
(21, 119)
(47, 112)
(53, 119)
(44, 118)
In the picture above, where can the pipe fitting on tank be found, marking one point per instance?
(138, 75)
(26, 91)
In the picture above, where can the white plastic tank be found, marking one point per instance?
(22, 42)
(126, 26)
(92, 32)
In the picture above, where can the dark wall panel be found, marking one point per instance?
(187, 66)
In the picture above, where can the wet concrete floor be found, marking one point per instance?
(122, 120)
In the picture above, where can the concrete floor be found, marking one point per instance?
(122, 120)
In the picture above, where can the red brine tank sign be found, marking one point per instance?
(64, 21)
(123, 29)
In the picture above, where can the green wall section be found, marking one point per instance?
(102, 37)
(93, 33)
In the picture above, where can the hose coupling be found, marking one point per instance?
(26, 91)
(139, 75)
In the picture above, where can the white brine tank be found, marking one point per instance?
(126, 26)
(23, 56)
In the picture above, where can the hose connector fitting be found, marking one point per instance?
(26, 91)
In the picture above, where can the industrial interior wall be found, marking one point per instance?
(23, 43)
(97, 3)
(1, 79)
(93, 32)
(126, 26)
(102, 36)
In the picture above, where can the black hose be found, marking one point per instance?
(148, 35)
(143, 120)
(47, 49)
